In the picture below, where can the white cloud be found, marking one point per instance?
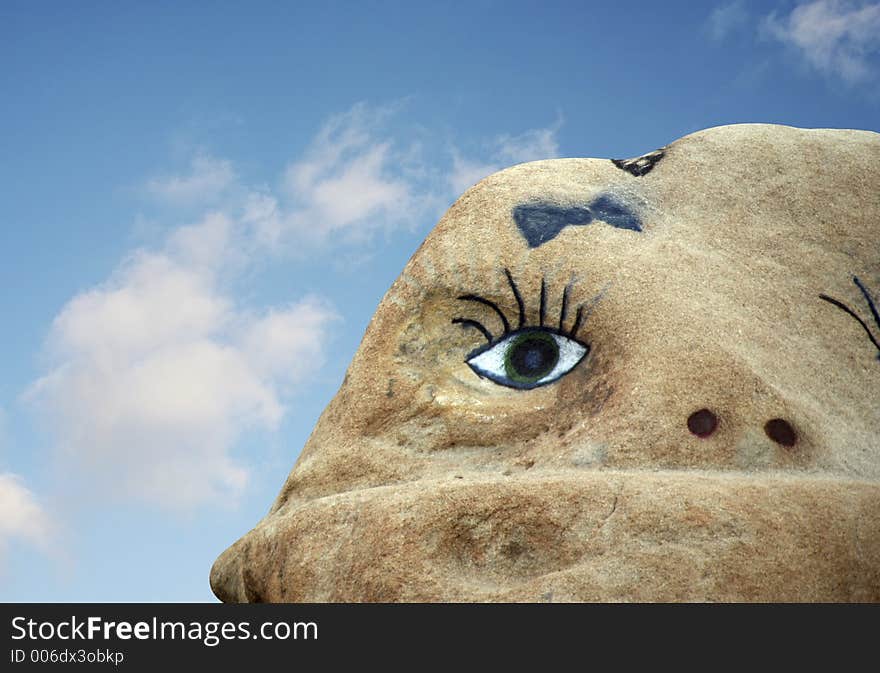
(355, 179)
(218, 241)
(157, 373)
(726, 19)
(149, 303)
(503, 151)
(834, 37)
(287, 344)
(262, 216)
(355, 192)
(207, 179)
(530, 146)
(352, 181)
(21, 515)
(468, 172)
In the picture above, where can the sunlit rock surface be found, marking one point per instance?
(653, 379)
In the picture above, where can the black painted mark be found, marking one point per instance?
(640, 166)
(578, 319)
(519, 300)
(871, 306)
(781, 432)
(540, 222)
(490, 304)
(563, 312)
(702, 423)
(476, 325)
(583, 311)
(542, 311)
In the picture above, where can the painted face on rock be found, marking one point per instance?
(608, 380)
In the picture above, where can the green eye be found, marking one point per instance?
(530, 357)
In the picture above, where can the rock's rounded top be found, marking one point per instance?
(654, 329)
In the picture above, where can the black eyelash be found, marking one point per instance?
(564, 312)
(847, 309)
(543, 309)
(474, 323)
(490, 304)
(868, 299)
(519, 299)
(522, 311)
(577, 320)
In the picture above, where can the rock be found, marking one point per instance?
(682, 405)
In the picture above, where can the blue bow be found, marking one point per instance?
(540, 221)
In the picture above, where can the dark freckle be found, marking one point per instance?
(702, 423)
(781, 432)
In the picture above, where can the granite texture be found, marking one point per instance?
(425, 481)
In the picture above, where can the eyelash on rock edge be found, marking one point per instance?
(871, 306)
(563, 314)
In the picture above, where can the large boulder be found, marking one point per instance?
(653, 379)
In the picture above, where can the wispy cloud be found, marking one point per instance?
(206, 180)
(503, 151)
(530, 145)
(726, 19)
(353, 180)
(21, 515)
(358, 177)
(467, 172)
(836, 38)
(156, 374)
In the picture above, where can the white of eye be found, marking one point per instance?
(490, 362)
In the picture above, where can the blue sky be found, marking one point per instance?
(203, 203)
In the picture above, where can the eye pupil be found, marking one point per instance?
(531, 357)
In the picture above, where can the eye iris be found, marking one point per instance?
(531, 357)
